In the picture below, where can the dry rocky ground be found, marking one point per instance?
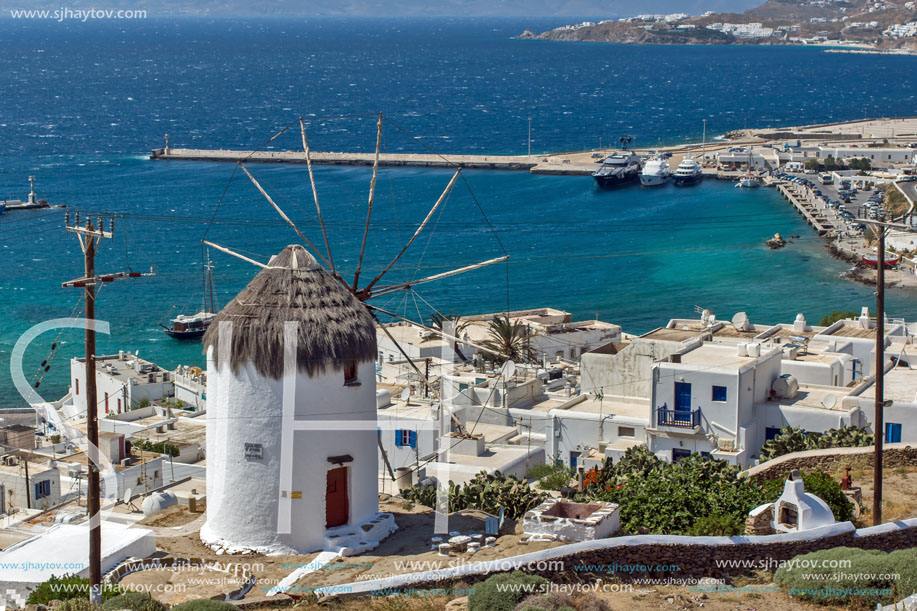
(409, 548)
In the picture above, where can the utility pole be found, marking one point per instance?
(28, 493)
(878, 419)
(879, 227)
(90, 236)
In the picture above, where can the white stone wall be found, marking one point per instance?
(602, 523)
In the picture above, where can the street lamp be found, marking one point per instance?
(530, 136)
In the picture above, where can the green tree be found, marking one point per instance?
(508, 341)
(834, 164)
(829, 319)
(812, 164)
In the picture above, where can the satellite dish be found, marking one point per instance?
(740, 321)
(829, 401)
(406, 394)
(127, 496)
(508, 369)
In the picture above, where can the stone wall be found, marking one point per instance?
(833, 460)
(682, 558)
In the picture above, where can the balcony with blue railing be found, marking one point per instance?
(678, 418)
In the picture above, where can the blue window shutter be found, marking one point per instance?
(413, 439)
(379, 433)
(892, 432)
(397, 438)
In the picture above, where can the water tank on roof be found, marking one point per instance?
(785, 387)
(158, 501)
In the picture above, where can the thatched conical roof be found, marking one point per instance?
(334, 326)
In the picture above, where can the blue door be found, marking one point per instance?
(892, 432)
(682, 401)
(678, 454)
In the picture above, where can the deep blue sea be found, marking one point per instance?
(83, 103)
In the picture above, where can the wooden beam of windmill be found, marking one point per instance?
(436, 331)
(283, 215)
(235, 254)
(369, 207)
(423, 378)
(388, 289)
(318, 210)
(416, 233)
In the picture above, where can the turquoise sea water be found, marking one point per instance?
(83, 104)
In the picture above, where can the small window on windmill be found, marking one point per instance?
(350, 373)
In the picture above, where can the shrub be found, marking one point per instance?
(557, 477)
(824, 577)
(159, 447)
(494, 593)
(794, 439)
(539, 471)
(66, 587)
(829, 319)
(669, 498)
(204, 604)
(77, 604)
(556, 601)
(485, 492)
(134, 601)
(717, 526)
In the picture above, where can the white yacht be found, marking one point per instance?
(750, 180)
(656, 172)
(688, 172)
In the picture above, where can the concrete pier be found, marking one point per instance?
(804, 208)
(489, 162)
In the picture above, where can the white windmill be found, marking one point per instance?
(292, 460)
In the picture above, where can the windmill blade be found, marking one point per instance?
(283, 215)
(423, 378)
(416, 233)
(431, 329)
(235, 254)
(369, 208)
(385, 290)
(321, 222)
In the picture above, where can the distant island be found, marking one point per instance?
(882, 25)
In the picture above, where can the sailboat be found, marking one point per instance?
(750, 180)
(195, 325)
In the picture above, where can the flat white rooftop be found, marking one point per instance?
(64, 548)
(717, 356)
(817, 397)
(630, 407)
(900, 385)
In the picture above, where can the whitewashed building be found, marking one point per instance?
(123, 380)
(292, 458)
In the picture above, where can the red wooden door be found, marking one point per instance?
(337, 507)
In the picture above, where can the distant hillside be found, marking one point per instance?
(879, 23)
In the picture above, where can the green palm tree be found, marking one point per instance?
(458, 327)
(508, 341)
